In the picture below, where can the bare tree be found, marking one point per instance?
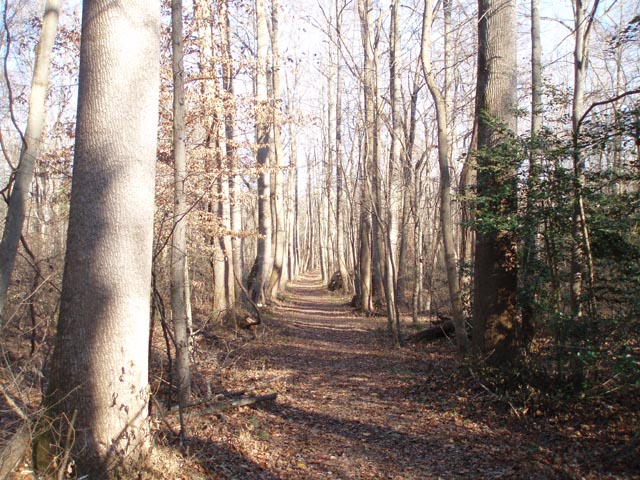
(31, 144)
(180, 305)
(264, 256)
(446, 217)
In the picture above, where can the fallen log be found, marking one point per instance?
(215, 406)
(442, 330)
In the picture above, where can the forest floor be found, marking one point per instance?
(350, 406)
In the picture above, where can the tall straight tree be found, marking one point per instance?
(235, 207)
(31, 142)
(180, 304)
(365, 248)
(581, 259)
(391, 231)
(496, 327)
(340, 243)
(264, 256)
(99, 372)
(278, 187)
(446, 217)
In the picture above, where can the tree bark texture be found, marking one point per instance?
(99, 367)
(496, 325)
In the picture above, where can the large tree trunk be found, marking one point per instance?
(496, 327)
(179, 267)
(31, 142)
(446, 217)
(99, 367)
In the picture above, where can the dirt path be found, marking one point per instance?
(351, 407)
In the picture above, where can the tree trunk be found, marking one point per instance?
(531, 224)
(99, 371)
(393, 313)
(340, 244)
(235, 207)
(446, 217)
(280, 239)
(264, 257)
(31, 142)
(496, 327)
(365, 253)
(581, 259)
(179, 266)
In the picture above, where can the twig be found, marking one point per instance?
(13, 405)
(162, 416)
(248, 297)
(68, 443)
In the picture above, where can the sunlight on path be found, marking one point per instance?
(354, 407)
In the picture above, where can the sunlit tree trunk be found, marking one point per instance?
(278, 187)
(365, 248)
(340, 244)
(393, 313)
(235, 207)
(31, 142)
(179, 265)
(264, 257)
(99, 367)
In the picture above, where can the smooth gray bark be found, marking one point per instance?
(99, 367)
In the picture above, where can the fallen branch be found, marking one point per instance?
(223, 405)
(445, 329)
(216, 406)
(15, 450)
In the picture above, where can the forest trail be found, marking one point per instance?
(350, 406)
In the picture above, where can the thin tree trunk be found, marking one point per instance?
(581, 258)
(264, 256)
(393, 314)
(531, 227)
(179, 268)
(235, 206)
(446, 218)
(280, 239)
(365, 253)
(340, 245)
(31, 143)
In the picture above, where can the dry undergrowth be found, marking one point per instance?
(349, 406)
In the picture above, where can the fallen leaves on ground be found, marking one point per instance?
(350, 406)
